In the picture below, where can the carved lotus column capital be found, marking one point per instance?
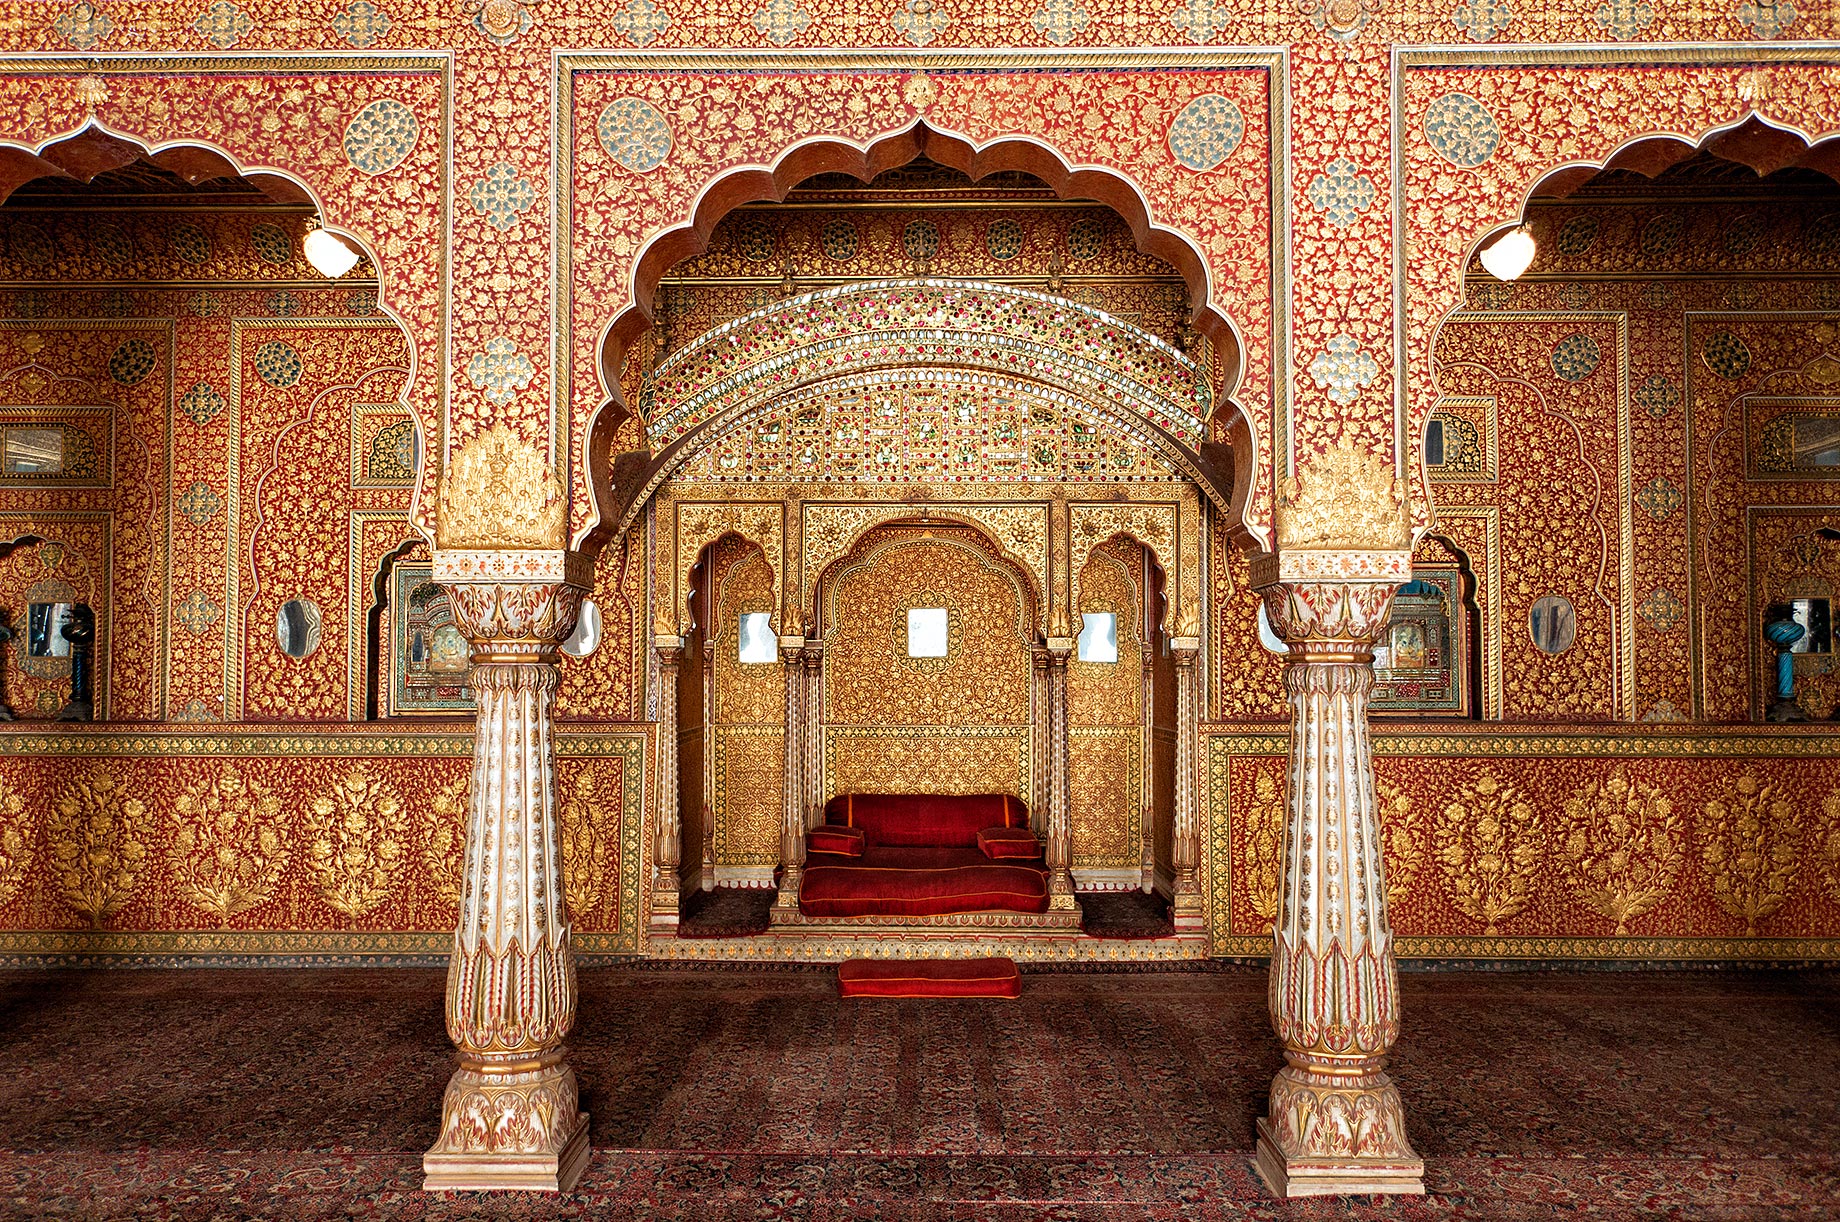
(514, 605)
(1330, 604)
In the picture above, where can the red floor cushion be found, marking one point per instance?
(920, 881)
(916, 819)
(929, 978)
(998, 843)
(842, 841)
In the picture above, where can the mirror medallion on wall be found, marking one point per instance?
(586, 636)
(297, 627)
(1552, 623)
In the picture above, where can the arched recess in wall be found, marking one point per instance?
(94, 151)
(1754, 140)
(992, 342)
(620, 484)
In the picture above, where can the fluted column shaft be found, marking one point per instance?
(510, 1116)
(668, 827)
(793, 813)
(814, 732)
(1336, 1123)
(1185, 846)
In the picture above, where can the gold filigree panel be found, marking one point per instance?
(830, 531)
(699, 524)
(749, 766)
(1105, 779)
(985, 679)
(926, 759)
(1156, 526)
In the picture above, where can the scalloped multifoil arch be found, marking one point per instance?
(95, 148)
(1753, 139)
(619, 485)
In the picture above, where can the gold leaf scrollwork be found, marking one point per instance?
(1828, 851)
(1348, 497)
(1263, 840)
(444, 839)
(1622, 844)
(1748, 841)
(587, 841)
(1404, 843)
(96, 852)
(227, 853)
(1490, 842)
(500, 492)
(357, 832)
(15, 845)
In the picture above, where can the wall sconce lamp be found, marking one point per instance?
(330, 255)
(1510, 255)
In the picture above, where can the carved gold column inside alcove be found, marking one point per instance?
(510, 1117)
(1336, 1123)
(795, 813)
(1060, 646)
(1186, 908)
(668, 827)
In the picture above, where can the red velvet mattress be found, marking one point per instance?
(921, 881)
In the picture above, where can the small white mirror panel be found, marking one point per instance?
(757, 641)
(926, 632)
(1099, 637)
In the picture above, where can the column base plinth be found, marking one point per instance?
(1330, 1134)
(663, 917)
(1322, 1175)
(517, 1132)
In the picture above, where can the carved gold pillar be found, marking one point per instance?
(510, 1117)
(1336, 1123)
(706, 879)
(814, 732)
(1040, 722)
(793, 813)
(668, 825)
(1185, 845)
(1060, 811)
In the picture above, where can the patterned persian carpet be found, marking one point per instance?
(736, 1093)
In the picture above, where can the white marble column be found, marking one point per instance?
(1336, 1123)
(510, 1117)
(1185, 846)
(668, 823)
(793, 813)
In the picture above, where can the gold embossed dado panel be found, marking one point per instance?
(1107, 795)
(957, 723)
(273, 841)
(1562, 842)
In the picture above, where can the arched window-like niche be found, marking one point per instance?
(181, 381)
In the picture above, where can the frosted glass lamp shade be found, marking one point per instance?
(330, 255)
(1510, 255)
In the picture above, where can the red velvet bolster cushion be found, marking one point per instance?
(849, 890)
(1001, 842)
(929, 978)
(846, 841)
(913, 819)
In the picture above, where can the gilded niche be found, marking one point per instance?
(1347, 499)
(499, 492)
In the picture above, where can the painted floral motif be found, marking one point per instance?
(271, 243)
(93, 831)
(361, 24)
(227, 853)
(1202, 20)
(1659, 498)
(501, 195)
(635, 134)
(201, 403)
(1576, 357)
(30, 244)
(17, 835)
(1341, 192)
(1481, 20)
(358, 831)
(200, 503)
(222, 25)
(1343, 369)
(1622, 842)
(1661, 610)
(1726, 355)
(920, 240)
(282, 303)
(1657, 396)
(278, 364)
(839, 239)
(83, 26)
(1751, 836)
(781, 22)
(1205, 132)
(132, 362)
(1461, 130)
(640, 21)
(920, 21)
(1061, 21)
(1491, 842)
(197, 613)
(1577, 235)
(110, 243)
(1003, 239)
(500, 370)
(502, 22)
(380, 137)
(1624, 19)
